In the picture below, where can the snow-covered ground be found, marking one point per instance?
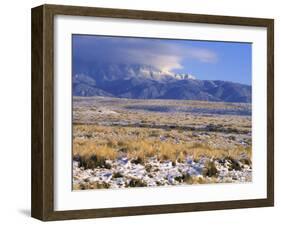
(124, 172)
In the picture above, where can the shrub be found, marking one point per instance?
(92, 155)
(136, 183)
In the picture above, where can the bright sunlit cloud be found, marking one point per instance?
(207, 60)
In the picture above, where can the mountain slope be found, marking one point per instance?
(146, 82)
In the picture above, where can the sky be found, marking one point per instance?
(206, 60)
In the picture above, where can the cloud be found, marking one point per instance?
(159, 53)
(202, 55)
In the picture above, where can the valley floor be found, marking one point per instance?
(135, 143)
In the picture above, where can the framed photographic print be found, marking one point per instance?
(141, 112)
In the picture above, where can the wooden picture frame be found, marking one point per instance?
(43, 112)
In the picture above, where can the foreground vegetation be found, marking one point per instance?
(144, 134)
(95, 144)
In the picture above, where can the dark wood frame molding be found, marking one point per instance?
(42, 203)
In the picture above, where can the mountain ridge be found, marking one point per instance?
(146, 82)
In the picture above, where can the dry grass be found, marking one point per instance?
(87, 114)
(93, 185)
(92, 155)
(96, 144)
(88, 147)
(98, 138)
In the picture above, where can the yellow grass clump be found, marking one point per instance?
(107, 143)
(92, 155)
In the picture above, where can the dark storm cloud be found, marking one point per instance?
(160, 53)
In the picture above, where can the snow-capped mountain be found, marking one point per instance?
(147, 82)
(113, 72)
(184, 76)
